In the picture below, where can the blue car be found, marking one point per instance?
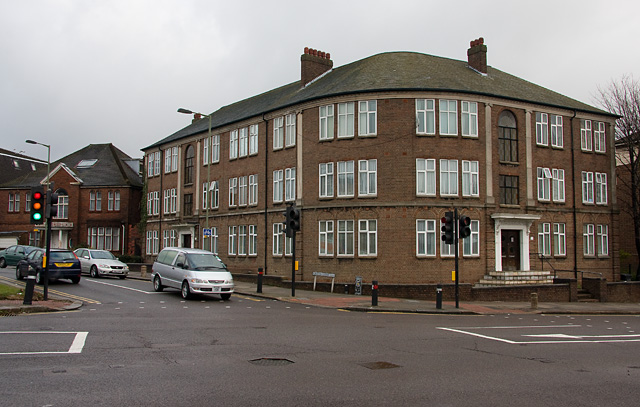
(63, 264)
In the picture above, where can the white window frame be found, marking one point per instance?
(448, 117)
(243, 142)
(233, 192)
(345, 175)
(205, 151)
(346, 120)
(278, 185)
(233, 144)
(150, 165)
(242, 191)
(448, 177)
(231, 247)
(557, 185)
(426, 177)
(174, 159)
(367, 118)
(253, 240)
(326, 124)
(278, 133)
(174, 200)
(603, 240)
(253, 190)
(559, 239)
(600, 188)
(278, 233)
(426, 238)
(290, 184)
(557, 137)
(215, 148)
(242, 240)
(587, 187)
(544, 239)
(542, 129)
(290, 132)
(156, 163)
(215, 194)
(325, 180)
(544, 184)
(470, 178)
(368, 178)
(471, 244)
(426, 116)
(588, 241)
(367, 238)
(326, 237)
(205, 196)
(586, 139)
(346, 238)
(167, 160)
(469, 119)
(600, 138)
(253, 139)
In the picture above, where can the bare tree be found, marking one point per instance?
(622, 98)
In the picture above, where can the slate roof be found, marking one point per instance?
(110, 169)
(392, 71)
(8, 169)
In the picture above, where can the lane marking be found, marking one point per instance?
(76, 346)
(123, 287)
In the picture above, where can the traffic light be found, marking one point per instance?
(447, 228)
(292, 222)
(36, 211)
(52, 205)
(464, 227)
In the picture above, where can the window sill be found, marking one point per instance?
(509, 162)
(514, 206)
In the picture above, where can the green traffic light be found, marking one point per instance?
(37, 216)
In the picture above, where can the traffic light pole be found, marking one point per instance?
(46, 263)
(457, 250)
(293, 265)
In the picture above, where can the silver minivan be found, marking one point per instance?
(192, 271)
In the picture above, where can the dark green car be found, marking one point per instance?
(13, 254)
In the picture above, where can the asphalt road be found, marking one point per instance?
(129, 346)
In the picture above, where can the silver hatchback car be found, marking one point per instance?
(192, 271)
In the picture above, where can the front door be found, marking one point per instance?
(186, 241)
(510, 250)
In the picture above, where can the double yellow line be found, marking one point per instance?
(39, 289)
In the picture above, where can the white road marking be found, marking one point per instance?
(76, 346)
(126, 288)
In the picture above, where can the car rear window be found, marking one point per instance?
(167, 256)
(62, 256)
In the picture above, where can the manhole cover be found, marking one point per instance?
(379, 365)
(271, 362)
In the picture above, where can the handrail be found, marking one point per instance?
(546, 259)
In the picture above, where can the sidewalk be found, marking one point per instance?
(363, 303)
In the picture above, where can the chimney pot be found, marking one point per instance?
(328, 55)
(306, 50)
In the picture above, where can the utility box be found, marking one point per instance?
(358, 285)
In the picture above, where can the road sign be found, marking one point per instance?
(206, 232)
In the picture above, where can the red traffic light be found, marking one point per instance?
(37, 195)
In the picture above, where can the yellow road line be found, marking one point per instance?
(39, 289)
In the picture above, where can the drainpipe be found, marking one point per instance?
(266, 193)
(573, 186)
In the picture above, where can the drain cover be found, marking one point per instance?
(379, 365)
(271, 362)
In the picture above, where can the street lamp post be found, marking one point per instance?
(47, 221)
(208, 203)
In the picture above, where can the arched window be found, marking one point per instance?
(508, 137)
(188, 166)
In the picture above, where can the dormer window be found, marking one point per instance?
(87, 163)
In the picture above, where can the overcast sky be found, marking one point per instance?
(77, 72)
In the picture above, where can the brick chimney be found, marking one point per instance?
(196, 117)
(477, 54)
(313, 63)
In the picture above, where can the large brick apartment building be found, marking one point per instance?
(374, 153)
(99, 189)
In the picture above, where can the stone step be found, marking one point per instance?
(508, 278)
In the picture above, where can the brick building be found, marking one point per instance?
(374, 153)
(99, 191)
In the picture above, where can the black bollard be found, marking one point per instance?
(374, 293)
(259, 291)
(439, 296)
(31, 282)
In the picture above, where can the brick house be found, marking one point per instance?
(374, 153)
(99, 191)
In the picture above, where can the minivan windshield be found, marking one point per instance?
(204, 261)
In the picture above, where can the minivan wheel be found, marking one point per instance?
(185, 291)
(157, 284)
(225, 297)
